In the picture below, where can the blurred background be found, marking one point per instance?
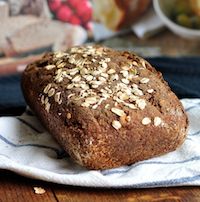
(165, 32)
(28, 28)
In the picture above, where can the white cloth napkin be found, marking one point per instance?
(27, 149)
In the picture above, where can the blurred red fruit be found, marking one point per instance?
(54, 4)
(78, 12)
(87, 16)
(82, 8)
(75, 20)
(74, 3)
(64, 13)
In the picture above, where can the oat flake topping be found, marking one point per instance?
(93, 78)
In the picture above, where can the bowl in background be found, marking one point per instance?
(163, 10)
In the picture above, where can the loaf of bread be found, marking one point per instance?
(106, 108)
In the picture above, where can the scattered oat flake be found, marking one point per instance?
(116, 124)
(118, 112)
(124, 73)
(107, 106)
(157, 121)
(135, 63)
(104, 65)
(85, 104)
(115, 77)
(42, 99)
(133, 72)
(89, 77)
(143, 63)
(76, 78)
(146, 121)
(69, 116)
(61, 65)
(39, 190)
(83, 71)
(47, 88)
(144, 80)
(104, 75)
(125, 68)
(107, 59)
(57, 96)
(59, 62)
(60, 54)
(46, 100)
(134, 85)
(141, 103)
(73, 71)
(125, 81)
(70, 86)
(116, 104)
(47, 106)
(128, 118)
(51, 92)
(49, 67)
(123, 96)
(71, 60)
(150, 91)
(91, 100)
(137, 92)
(132, 106)
(102, 79)
(95, 106)
(111, 71)
(95, 86)
(70, 95)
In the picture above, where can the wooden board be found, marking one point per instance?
(20, 189)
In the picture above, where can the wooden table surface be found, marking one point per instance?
(20, 189)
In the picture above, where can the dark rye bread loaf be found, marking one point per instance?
(105, 108)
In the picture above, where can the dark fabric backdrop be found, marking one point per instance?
(182, 74)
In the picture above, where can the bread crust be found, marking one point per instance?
(98, 138)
